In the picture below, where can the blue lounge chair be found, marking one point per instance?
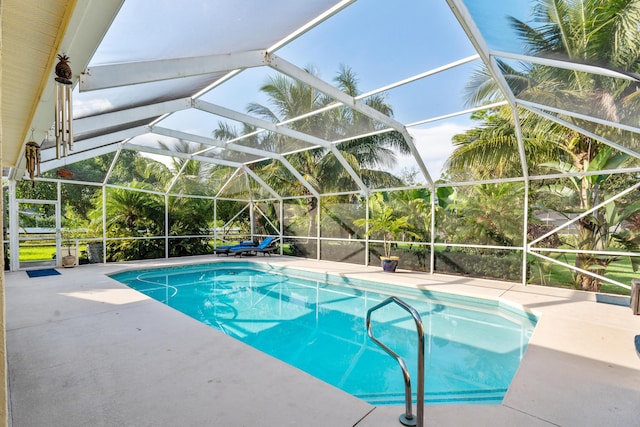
(265, 247)
(226, 249)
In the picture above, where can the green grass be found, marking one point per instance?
(622, 272)
(40, 252)
(37, 253)
(558, 276)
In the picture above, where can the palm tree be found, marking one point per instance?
(490, 214)
(589, 31)
(131, 213)
(490, 150)
(288, 99)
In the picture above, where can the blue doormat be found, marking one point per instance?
(43, 272)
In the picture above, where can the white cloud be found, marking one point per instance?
(434, 145)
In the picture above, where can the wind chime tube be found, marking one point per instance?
(65, 128)
(57, 119)
(70, 116)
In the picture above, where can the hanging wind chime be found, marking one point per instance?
(63, 110)
(32, 156)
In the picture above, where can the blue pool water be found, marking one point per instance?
(473, 347)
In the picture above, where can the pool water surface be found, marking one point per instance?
(473, 347)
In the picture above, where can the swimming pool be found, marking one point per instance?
(473, 347)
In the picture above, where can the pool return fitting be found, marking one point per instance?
(407, 419)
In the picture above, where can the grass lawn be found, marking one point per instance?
(37, 253)
(40, 252)
(623, 273)
(620, 271)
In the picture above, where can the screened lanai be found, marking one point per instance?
(500, 140)
(471, 139)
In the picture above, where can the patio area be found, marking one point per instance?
(85, 350)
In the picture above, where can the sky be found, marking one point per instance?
(381, 41)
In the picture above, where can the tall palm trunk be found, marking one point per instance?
(585, 261)
(312, 205)
(590, 227)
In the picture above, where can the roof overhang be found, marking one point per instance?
(33, 34)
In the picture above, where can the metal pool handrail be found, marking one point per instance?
(407, 418)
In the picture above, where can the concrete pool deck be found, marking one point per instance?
(85, 350)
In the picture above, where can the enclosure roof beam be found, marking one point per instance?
(298, 176)
(622, 126)
(116, 75)
(235, 147)
(65, 161)
(585, 132)
(209, 142)
(176, 177)
(117, 118)
(473, 33)
(475, 37)
(566, 65)
(312, 24)
(417, 157)
(187, 156)
(178, 134)
(299, 74)
(215, 143)
(112, 166)
(457, 114)
(260, 181)
(257, 122)
(90, 144)
(228, 182)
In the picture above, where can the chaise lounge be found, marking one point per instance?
(226, 249)
(266, 247)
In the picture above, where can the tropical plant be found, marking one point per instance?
(131, 213)
(487, 214)
(415, 204)
(592, 31)
(384, 221)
